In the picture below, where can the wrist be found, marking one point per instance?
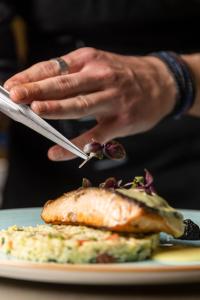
(193, 62)
(186, 89)
(166, 84)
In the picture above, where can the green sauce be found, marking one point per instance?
(172, 218)
(153, 201)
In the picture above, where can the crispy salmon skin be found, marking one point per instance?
(119, 210)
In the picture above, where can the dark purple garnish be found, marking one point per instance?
(139, 182)
(148, 178)
(191, 231)
(86, 183)
(110, 183)
(148, 183)
(143, 183)
(114, 150)
(94, 148)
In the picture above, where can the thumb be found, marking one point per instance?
(101, 133)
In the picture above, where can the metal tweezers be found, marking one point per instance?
(23, 114)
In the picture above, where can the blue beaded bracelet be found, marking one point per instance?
(184, 81)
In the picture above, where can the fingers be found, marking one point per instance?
(36, 72)
(76, 107)
(102, 133)
(46, 69)
(56, 87)
(40, 71)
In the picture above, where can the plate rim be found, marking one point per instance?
(108, 268)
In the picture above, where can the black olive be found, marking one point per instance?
(191, 231)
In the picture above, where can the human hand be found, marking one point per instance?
(126, 94)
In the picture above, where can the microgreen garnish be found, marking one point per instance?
(112, 150)
(111, 183)
(143, 183)
(139, 182)
(86, 183)
(95, 148)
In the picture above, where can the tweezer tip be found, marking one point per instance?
(85, 161)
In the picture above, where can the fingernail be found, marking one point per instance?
(18, 93)
(9, 85)
(39, 108)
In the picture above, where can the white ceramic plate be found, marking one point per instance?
(148, 272)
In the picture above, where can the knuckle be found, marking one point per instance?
(45, 68)
(34, 91)
(109, 75)
(38, 67)
(49, 67)
(42, 68)
(24, 76)
(52, 107)
(55, 107)
(130, 77)
(82, 105)
(65, 83)
(131, 74)
(90, 53)
(115, 93)
(40, 107)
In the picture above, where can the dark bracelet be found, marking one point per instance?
(184, 81)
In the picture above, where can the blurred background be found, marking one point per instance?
(170, 151)
(19, 32)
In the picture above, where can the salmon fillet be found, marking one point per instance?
(115, 211)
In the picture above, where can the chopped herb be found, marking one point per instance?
(2, 241)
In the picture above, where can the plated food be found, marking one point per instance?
(112, 223)
(119, 210)
(75, 244)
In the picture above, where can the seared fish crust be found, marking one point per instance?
(115, 211)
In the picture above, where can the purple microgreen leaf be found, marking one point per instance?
(152, 190)
(114, 150)
(92, 147)
(149, 182)
(86, 183)
(148, 178)
(109, 183)
(142, 183)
